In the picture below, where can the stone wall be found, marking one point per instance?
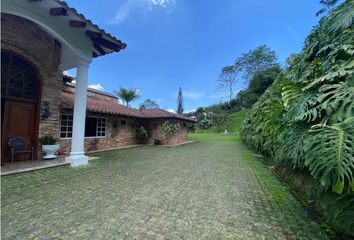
(117, 134)
(27, 39)
(157, 132)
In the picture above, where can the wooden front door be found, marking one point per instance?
(18, 121)
(20, 97)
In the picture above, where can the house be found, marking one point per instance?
(40, 40)
(111, 125)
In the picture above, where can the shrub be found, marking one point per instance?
(157, 141)
(47, 140)
(171, 129)
(306, 118)
(142, 134)
(205, 123)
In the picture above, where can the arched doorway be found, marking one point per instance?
(20, 98)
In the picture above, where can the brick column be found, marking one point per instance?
(77, 155)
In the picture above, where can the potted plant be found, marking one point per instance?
(142, 134)
(49, 146)
(93, 145)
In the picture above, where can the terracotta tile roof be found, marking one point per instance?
(112, 107)
(94, 28)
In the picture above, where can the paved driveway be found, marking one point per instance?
(203, 190)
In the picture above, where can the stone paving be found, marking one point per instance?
(203, 190)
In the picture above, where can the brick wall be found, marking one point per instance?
(37, 46)
(117, 134)
(157, 133)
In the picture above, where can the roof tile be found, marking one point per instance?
(113, 107)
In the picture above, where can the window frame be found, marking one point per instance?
(89, 116)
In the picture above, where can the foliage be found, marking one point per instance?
(142, 134)
(329, 155)
(254, 61)
(148, 104)
(340, 209)
(327, 6)
(305, 119)
(263, 79)
(205, 123)
(47, 140)
(180, 108)
(219, 120)
(227, 79)
(157, 141)
(171, 129)
(127, 95)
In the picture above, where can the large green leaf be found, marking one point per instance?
(294, 144)
(329, 155)
(343, 17)
(338, 99)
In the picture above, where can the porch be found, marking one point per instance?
(32, 165)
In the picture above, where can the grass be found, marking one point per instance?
(202, 190)
(236, 120)
(214, 137)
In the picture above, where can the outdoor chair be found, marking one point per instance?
(19, 145)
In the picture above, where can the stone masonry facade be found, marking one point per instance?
(27, 39)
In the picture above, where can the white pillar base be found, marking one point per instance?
(77, 159)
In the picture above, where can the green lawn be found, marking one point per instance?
(214, 137)
(236, 120)
(202, 190)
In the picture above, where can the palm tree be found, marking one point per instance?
(127, 94)
(327, 6)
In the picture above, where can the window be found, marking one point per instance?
(18, 78)
(66, 126)
(94, 127)
(123, 122)
(101, 127)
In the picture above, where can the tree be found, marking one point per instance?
(263, 79)
(254, 61)
(127, 94)
(227, 80)
(180, 108)
(327, 6)
(149, 104)
(219, 120)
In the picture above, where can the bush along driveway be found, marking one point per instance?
(203, 190)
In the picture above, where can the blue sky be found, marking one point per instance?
(173, 43)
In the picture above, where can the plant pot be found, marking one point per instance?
(50, 150)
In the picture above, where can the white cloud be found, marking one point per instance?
(96, 86)
(141, 5)
(190, 111)
(194, 95)
(171, 110)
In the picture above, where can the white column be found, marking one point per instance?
(77, 155)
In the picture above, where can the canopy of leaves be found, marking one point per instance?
(148, 104)
(254, 61)
(127, 95)
(227, 80)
